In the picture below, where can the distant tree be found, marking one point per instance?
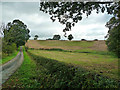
(70, 37)
(49, 39)
(95, 39)
(16, 32)
(56, 37)
(36, 36)
(83, 39)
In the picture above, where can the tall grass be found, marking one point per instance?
(60, 75)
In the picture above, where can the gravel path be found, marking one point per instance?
(10, 67)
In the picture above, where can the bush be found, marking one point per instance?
(8, 49)
(95, 39)
(26, 48)
(55, 74)
(83, 40)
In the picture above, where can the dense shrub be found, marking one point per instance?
(95, 39)
(8, 49)
(83, 40)
(55, 74)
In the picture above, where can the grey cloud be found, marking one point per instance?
(39, 23)
(95, 18)
(95, 33)
(22, 7)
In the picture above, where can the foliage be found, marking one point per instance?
(56, 37)
(70, 37)
(90, 60)
(49, 39)
(113, 41)
(6, 58)
(26, 48)
(8, 49)
(69, 13)
(95, 39)
(60, 75)
(36, 36)
(83, 40)
(16, 32)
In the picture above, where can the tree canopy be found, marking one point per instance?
(56, 37)
(70, 37)
(113, 41)
(69, 13)
(36, 36)
(16, 32)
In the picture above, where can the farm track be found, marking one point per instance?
(10, 67)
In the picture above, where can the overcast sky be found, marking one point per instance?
(40, 23)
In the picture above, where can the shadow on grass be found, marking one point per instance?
(55, 74)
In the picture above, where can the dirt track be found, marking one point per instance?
(10, 67)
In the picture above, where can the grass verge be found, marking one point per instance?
(24, 77)
(8, 58)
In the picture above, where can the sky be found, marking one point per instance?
(40, 23)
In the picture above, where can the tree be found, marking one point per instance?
(113, 41)
(36, 36)
(16, 32)
(70, 37)
(69, 13)
(56, 37)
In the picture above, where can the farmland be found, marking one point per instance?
(68, 45)
(58, 64)
(91, 55)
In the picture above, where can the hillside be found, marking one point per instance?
(68, 45)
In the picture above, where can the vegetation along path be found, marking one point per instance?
(10, 67)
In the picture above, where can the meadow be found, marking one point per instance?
(85, 55)
(60, 64)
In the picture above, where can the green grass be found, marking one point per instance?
(60, 75)
(24, 77)
(100, 62)
(8, 58)
(42, 72)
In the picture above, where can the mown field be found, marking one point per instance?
(60, 64)
(91, 55)
(68, 45)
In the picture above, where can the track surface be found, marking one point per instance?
(10, 67)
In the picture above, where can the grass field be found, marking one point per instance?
(106, 65)
(52, 69)
(58, 64)
(68, 45)
(91, 55)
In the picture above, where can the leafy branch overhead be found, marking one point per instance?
(69, 13)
